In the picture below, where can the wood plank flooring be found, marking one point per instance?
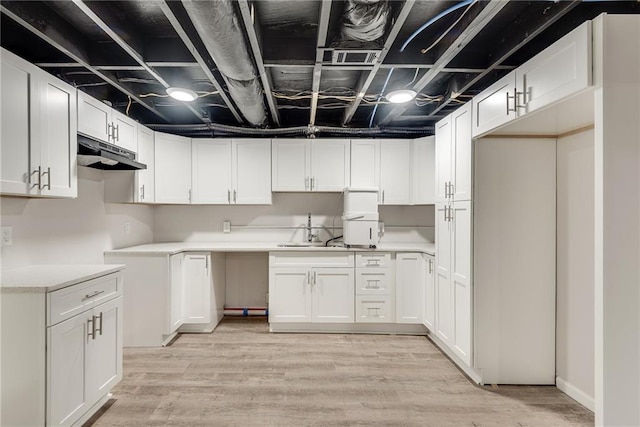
(243, 375)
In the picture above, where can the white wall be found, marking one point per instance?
(575, 275)
(72, 231)
(284, 220)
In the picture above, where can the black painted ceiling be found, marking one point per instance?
(128, 52)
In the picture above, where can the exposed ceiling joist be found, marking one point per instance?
(168, 13)
(131, 52)
(251, 26)
(508, 45)
(323, 27)
(482, 20)
(47, 26)
(367, 78)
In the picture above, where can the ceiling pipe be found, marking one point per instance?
(219, 28)
(364, 21)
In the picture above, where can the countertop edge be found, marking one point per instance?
(29, 274)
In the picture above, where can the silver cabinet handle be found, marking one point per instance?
(95, 294)
(446, 189)
(189, 194)
(430, 266)
(99, 329)
(315, 277)
(39, 172)
(117, 133)
(110, 131)
(450, 189)
(229, 196)
(142, 192)
(383, 197)
(91, 328)
(235, 193)
(313, 183)
(48, 173)
(370, 286)
(308, 278)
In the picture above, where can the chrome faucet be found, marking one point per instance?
(309, 228)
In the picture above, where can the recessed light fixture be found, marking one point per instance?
(181, 94)
(400, 96)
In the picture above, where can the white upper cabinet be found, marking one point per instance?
(311, 164)
(172, 168)
(496, 105)
(38, 131)
(99, 121)
(385, 164)
(227, 171)
(559, 71)
(423, 171)
(145, 179)
(211, 169)
(562, 69)
(453, 156)
(251, 171)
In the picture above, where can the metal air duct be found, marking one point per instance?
(364, 21)
(219, 28)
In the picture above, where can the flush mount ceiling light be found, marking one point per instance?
(400, 96)
(182, 94)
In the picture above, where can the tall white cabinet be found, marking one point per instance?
(38, 132)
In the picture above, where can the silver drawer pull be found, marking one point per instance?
(376, 311)
(95, 294)
(97, 329)
(375, 286)
(91, 328)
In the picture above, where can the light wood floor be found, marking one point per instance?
(243, 375)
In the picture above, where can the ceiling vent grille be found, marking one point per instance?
(355, 57)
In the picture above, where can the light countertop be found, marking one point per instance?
(170, 248)
(48, 278)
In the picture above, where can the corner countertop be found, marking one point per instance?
(49, 278)
(171, 248)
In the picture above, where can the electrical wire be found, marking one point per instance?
(128, 105)
(423, 51)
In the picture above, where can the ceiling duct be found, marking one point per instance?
(363, 23)
(219, 28)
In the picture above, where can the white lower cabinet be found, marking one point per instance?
(196, 286)
(429, 293)
(59, 366)
(409, 287)
(375, 288)
(311, 287)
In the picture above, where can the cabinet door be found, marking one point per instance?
(365, 163)
(289, 294)
(145, 186)
(211, 171)
(19, 101)
(251, 159)
(290, 165)
(330, 164)
(461, 279)
(430, 294)
(333, 295)
(409, 287)
(462, 152)
(176, 305)
(197, 288)
(66, 362)
(495, 105)
(444, 307)
(423, 176)
(444, 141)
(173, 168)
(104, 350)
(395, 171)
(58, 137)
(94, 118)
(125, 131)
(562, 69)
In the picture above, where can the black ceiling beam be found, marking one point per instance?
(367, 78)
(464, 38)
(56, 32)
(180, 31)
(132, 52)
(252, 28)
(512, 40)
(323, 28)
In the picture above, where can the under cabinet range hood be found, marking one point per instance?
(100, 155)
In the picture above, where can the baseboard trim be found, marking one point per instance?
(349, 328)
(467, 370)
(576, 394)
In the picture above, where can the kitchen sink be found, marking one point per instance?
(301, 245)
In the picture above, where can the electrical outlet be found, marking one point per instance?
(127, 227)
(6, 233)
(226, 227)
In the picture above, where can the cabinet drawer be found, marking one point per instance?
(373, 281)
(70, 301)
(374, 309)
(314, 259)
(373, 259)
